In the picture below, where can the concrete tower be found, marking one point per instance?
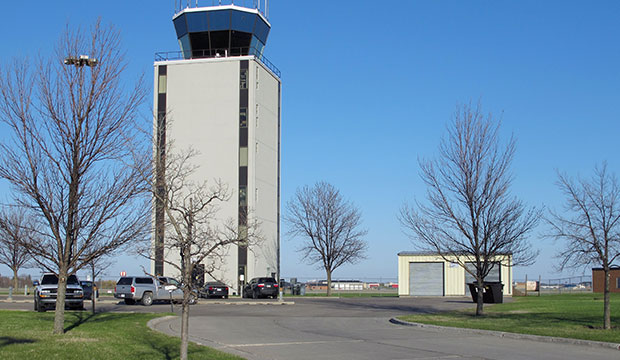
(222, 97)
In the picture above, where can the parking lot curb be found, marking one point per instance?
(246, 303)
(509, 335)
(154, 322)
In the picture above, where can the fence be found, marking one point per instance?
(218, 53)
(539, 286)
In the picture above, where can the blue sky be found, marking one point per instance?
(368, 88)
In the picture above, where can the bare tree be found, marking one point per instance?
(194, 234)
(15, 229)
(330, 226)
(470, 215)
(68, 160)
(590, 225)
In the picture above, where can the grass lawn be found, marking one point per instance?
(28, 335)
(578, 316)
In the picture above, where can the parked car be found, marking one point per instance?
(146, 289)
(261, 287)
(89, 288)
(214, 289)
(47, 289)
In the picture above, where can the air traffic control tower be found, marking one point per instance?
(220, 96)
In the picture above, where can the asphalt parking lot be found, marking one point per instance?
(346, 328)
(319, 306)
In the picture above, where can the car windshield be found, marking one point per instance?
(51, 279)
(86, 284)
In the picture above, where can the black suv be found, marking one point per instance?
(261, 287)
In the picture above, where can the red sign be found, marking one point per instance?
(123, 273)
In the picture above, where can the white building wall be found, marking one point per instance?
(203, 113)
(263, 152)
(454, 274)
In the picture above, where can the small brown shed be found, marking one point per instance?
(598, 279)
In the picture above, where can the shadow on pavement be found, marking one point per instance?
(408, 305)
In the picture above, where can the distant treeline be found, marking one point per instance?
(7, 281)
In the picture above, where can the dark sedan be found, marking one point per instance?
(214, 289)
(89, 289)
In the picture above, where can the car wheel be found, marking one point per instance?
(129, 301)
(40, 308)
(255, 295)
(147, 299)
(192, 299)
(225, 296)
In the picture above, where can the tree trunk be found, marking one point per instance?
(15, 280)
(329, 283)
(186, 272)
(479, 299)
(185, 312)
(59, 314)
(94, 293)
(185, 326)
(606, 309)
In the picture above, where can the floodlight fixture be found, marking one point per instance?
(81, 61)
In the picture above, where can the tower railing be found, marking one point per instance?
(261, 5)
(217, 53)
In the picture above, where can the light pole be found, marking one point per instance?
(79, 62)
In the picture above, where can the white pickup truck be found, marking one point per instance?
(147, 289)
(47, 289)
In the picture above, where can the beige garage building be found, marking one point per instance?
(428, 274)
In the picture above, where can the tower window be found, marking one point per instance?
(243, 234)
(243, 117)
(161, 87)
(243, 196)
(243, 156)
(243, 79)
